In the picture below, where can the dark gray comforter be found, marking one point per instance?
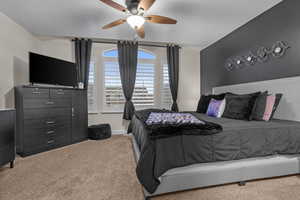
(239, 140)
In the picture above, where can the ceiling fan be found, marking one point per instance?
(136, 15)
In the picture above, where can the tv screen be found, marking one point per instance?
(47, 70)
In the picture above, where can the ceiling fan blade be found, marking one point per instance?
(146, 4)
(115, 23)
(141, 32)
(160, 19)
(114, 5)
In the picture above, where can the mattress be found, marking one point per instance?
(218, 173)
(239, 140)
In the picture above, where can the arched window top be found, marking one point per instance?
(113, 53)
(142, 54)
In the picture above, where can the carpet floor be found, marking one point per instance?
(105, 170)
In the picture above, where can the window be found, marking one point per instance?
(166, 96)
(92, 100)
(141, 54)
(151, 86)
(143, 95)
(113, 93)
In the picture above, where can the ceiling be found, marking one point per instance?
(200, 22)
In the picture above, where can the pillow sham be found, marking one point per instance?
(216, 108)
(259, 107)
(205, 100)
(269, 107)
(277, 101)
(203, 104)
(239, 106)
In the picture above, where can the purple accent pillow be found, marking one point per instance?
(216, 108)
(204, 101)
(172, 118)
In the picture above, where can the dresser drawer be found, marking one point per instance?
(47, 113)
(60, 93)
(35, 93)
(60, 112)
(58, 132)
(36, 113)
(37, 138)
(47, 131)
(36, 103)
(47, 123)
(59, 138)
(46, 103)
(61, 103)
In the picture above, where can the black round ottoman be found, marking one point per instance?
(99, 132)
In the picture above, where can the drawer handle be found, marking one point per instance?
(50, 122)
(50, 141)
(50, 103)
(36, 92)
(50, 132)
(60, 93)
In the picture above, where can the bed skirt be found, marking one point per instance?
(218, 173)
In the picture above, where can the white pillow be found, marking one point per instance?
(222, 108)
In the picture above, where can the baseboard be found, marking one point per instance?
(118, 132)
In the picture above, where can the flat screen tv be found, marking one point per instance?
(47, 70)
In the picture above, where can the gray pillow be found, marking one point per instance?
(239, 106)
(277, 101)
(259, 107)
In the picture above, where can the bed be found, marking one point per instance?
(244, 150)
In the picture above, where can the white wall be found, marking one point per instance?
(16, 42)
(189, 79)
(55, 47)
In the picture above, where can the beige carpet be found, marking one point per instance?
(105, 170)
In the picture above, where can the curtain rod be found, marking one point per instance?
(149, 44)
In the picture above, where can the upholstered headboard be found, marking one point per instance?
(289, 107)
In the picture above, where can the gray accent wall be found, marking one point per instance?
(280, 23)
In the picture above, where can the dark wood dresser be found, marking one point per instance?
(7, 137)
(49, 118)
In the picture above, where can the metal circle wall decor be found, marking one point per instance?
(240, 62)
(279, 49)
(250, 59)
(230, 66)
(263, 54)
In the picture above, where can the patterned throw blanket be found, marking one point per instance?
(164, 123)
(156, 118)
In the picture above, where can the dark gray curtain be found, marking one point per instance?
(83, 49)
(127, 53)
(173, 64)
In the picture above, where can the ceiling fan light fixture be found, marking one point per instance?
(136, 21)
